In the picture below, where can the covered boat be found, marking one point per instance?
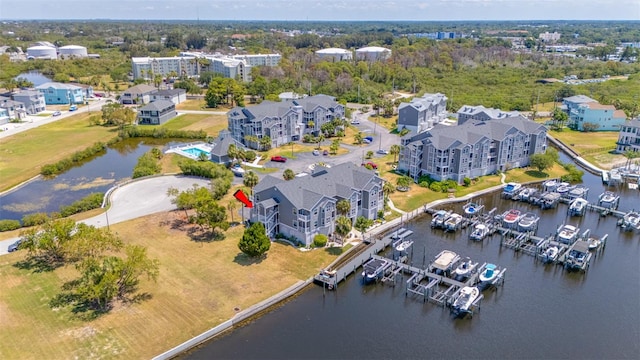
(608, 200)
(373, 270)
(511, 189)
(489, 275)
(578, 191)
(472, 209)
(578, 207)
(528, 222)
(444, 262)
(511, 217)
(465, 299)
(567, 234)
(550, 185)
(631, 221)
(550, 254)
(578, 257)
(480, 231)
(453, 223)
(438, 219)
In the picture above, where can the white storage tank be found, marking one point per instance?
(372, 53)
(41, 52)
(334, 54)
(73, 51)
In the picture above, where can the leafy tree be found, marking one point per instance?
(210, 215)
(335, 145)
(288, 174)
(541, 161)
(49, 242)
(630, 155)
(343, 207)
(362, 224)
(343, 226)
(589, 127)
(232, 206)
(195, 41)
(174, 40)
(358, 138)
(404, 182)
(560, 118)
(255, 241)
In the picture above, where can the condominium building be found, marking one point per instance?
(629, 138)
(482, 113)
(306, 206)
(283, 122)
(474, 148)
(586, 113)
(422, 113)
(33, 101)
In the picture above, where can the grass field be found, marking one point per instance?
(201, 284)
(596, 147)
(22, 154)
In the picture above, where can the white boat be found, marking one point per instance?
(567, 234)
(594, 243)
(444, 262)
(578, 257)
(480, 231)
(511, 189)
(373, 269)
(472, 209)
(489, 274)
(438, 219)
(453, 223)
(550, 254)
(550, 200)
(631, 221)
(528, 222)
(608, 200)
(464, 301)
(403, 245)
(578, 207)
(563, 188)
(550, 185)
(526, 193)
(578, 191)
(511, 217)
(464, 270)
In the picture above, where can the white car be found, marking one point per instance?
(355, 122)
(316, 152)
(383, 152)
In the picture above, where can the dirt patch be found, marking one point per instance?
(81, 333)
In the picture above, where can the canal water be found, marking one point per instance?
(541, 312)
(36, 77)
(97, 174)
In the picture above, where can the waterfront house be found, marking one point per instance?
(59, 94)
(15, 109)
(422, 112)
(306, 206)
(586, 113)
(33, 101)
(474, 148)
(629, 138)
(176, 96)
(139, 94)
(156, 113)
(481, 113)
(283, 122)
(220, 147)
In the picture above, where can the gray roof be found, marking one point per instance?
(141, 89)
(27, 93)
(158, 105)
(579, 99)
(222, 143)
(169, 92)
(57, 85)
(273, 108)
(7, 102)
(490, 112)
(339, 181)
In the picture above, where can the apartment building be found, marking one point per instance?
(583, 110)
(481, 113)
(33, 101)
(422, 113)
(629, 138)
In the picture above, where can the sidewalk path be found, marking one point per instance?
(394, 208)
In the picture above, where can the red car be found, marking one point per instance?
(373, 165)
(279, 159)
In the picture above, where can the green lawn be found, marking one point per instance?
(596, 147)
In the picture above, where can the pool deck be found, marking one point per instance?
(180, 149)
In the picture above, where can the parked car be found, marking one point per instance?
(369, 138)
(355, 122)
(278, 158)
(73, 108)
(316, 152)
(57, 113)
(373, 165)
(325, 153)
(13, 247)
(366, 141)
(383, 152)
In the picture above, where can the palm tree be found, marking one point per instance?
(343, 207)
(288, 174)
(343, 226)
(395, 150)
(250, 180)
(630, 155)
(388, 189)
(232, 152)
(232, 206)
(404, 182)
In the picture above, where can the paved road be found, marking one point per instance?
(136, 199)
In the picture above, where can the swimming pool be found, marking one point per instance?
(192, 151)
(195, 151)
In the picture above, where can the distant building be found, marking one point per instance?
(176, 96)
(335, 54)
(306, 206)
(549, 37)
(481, 113)
(33, 101)
(139, 94)
(472, 149)
(58, 93)
(42, 52)
(629, 138)
(15, 109)
(156, 113)
(584, 110)
(72, 51)
(283, 122)
(373, 53)
(422, 112)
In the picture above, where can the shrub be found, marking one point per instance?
(466, 181)
(250, 155)
(320, 240)
(74, 159)
(34, 219)
(148, 164)
(424, 184)
(89, 202)
(8, 225)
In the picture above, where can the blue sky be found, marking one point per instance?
(323, 9)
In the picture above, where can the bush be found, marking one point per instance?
(34, 219)
(466, 181)
(163, 133)
(8, 225)
(73, 160)
(89, 202)
(250, 155)
(424, 184)
(320, 240)
(148, 164)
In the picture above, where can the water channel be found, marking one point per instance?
(36, 77)
(541, 312)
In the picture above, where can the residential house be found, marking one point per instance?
(283, 122)
(156, 113)
(474, 148)
(4, 117)
(15, 109)
(422, 112)
(139, 94)
(588, 114)
(629, 138)
(220, 148)
(481, 113)
(33, 101)
(88, 90)
(176, 96)
(60, 94)
(306, 206)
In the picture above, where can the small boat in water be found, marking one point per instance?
(550, 254)
(511, 189)
(550, 185)
(563, 188)
(464, 300)
(528, 222)
(631, 221)
(480, 231)
(550, 200)
(444, 262)
(594, 243)
(578, 191)
(509, 218)
(438, 219)
(608, 200)
(373, 270)
(489, 275)
(578, 207)
(403, 245)
(525, 194)
(567, 234)
(578, 257)
(464, 270)
(453, 223)
(472, 209)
